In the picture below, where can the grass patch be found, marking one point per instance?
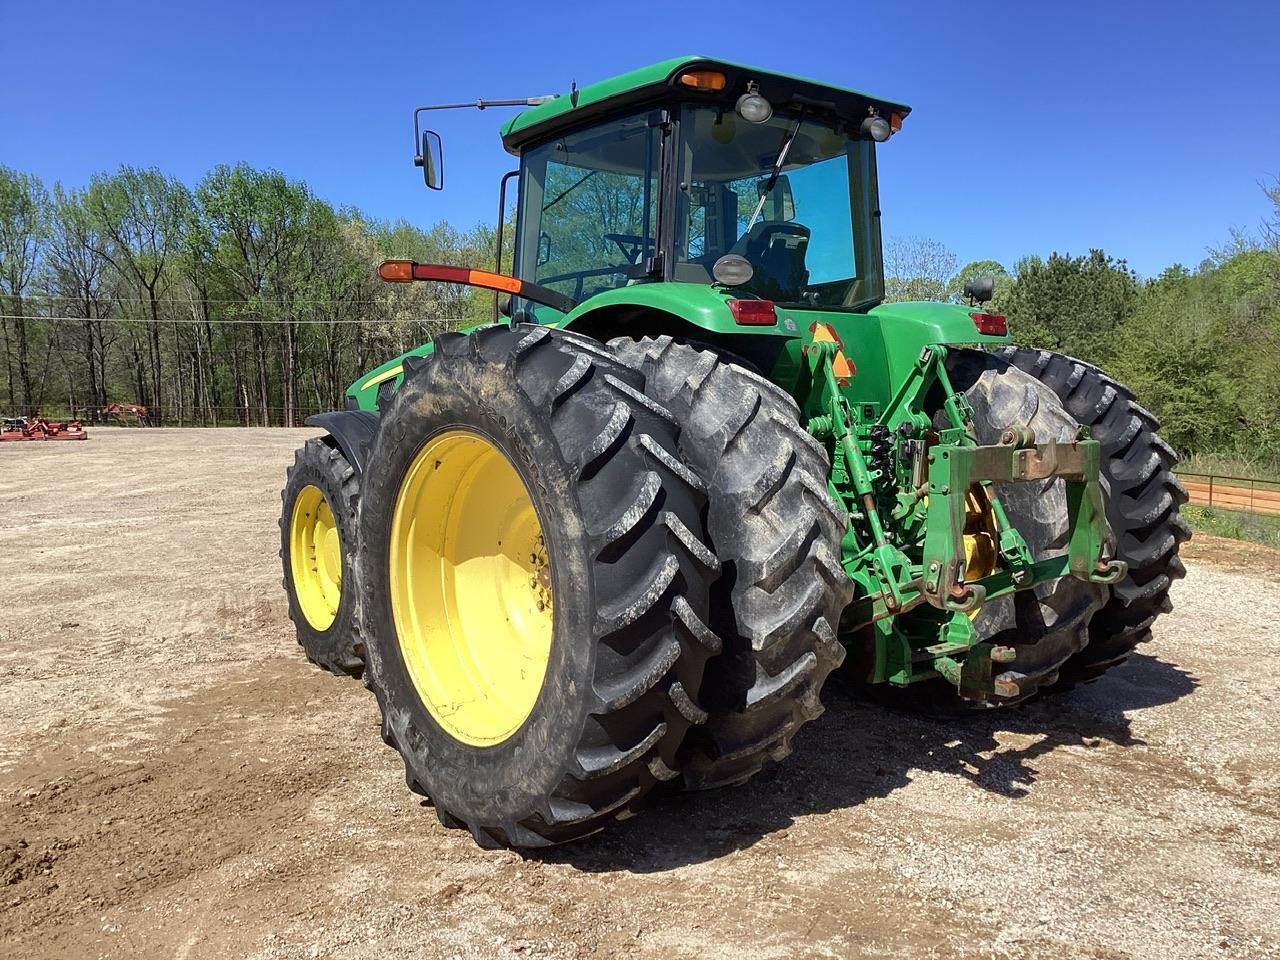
(1254, 527)
(1222, 465)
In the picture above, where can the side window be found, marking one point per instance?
(589, 207)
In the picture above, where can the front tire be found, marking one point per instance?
(528, 423)
(318, 532)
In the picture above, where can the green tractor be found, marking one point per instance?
(617, 539)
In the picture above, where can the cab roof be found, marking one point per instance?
(658, 81)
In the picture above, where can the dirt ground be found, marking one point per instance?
(177, 781)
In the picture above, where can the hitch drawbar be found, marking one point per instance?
(953, 468)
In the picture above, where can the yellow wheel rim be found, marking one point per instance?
(470, 588)
(315, 557)
(981, 537)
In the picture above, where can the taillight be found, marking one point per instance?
(991, 324)
(753, 313)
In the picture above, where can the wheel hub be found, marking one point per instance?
(471, 588)
(315, 558)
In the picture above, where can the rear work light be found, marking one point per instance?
(753, 313)
(990, 324)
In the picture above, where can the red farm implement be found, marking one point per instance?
(126, 413)
(38, 428)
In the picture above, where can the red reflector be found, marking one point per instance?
(753, 313)
(435, 271)
(991, 324)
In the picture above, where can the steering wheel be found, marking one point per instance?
(630, 244)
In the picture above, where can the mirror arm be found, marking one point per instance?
(473, 105)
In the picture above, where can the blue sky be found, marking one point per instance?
(1143, 128)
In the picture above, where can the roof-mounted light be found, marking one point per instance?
(876, 127)
(752, 107)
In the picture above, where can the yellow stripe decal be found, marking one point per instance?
(377, 378)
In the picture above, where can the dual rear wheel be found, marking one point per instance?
(583, 572)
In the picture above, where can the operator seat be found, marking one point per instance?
(776, 252)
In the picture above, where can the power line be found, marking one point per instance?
(39, 297)
(265, 323)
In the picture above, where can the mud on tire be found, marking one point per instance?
(319, 463)
(777, 532)
(1142, 505)
(631, 579)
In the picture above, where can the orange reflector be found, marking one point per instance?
(712, 80)
(397, 271)
(895, 122)
(494, 281)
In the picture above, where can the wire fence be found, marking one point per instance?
(1244, 494)
(253, 416)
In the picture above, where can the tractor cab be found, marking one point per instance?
(700, 172)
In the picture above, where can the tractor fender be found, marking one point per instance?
(908, 327)
(630, 310)
(352, 431)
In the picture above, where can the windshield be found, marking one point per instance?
(810, 228)
(588, 207)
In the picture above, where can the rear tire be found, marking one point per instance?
(777, 532)
(320, 466)
(1142, 506)
(629, 576)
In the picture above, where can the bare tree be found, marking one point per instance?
(917, 268)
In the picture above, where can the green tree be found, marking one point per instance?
(1071, 304)
(24, 231)
(262, 220)
(139, 216)
(79, 279)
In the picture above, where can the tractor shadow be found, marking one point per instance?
(860, 750)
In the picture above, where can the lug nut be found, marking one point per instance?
(1005, 688)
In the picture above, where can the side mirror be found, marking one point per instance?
(782, 203)
(431, 160)
(980, 289)
(544, 248)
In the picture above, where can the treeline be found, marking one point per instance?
(1199, 346)
(245, 300)
(249, 300)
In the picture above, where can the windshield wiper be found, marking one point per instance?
(776, 172)
(570, 190)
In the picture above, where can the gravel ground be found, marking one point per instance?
(177, 781)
